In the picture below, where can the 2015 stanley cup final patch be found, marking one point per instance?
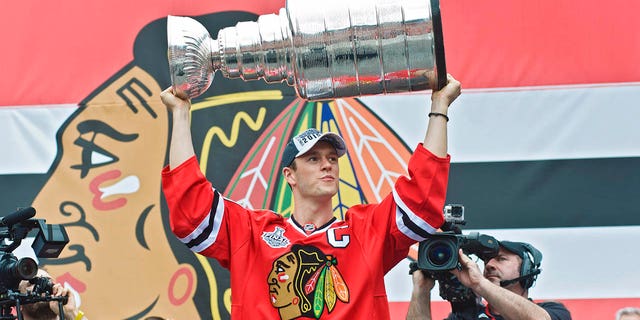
(276, 238)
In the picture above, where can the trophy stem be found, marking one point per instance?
(254, 50)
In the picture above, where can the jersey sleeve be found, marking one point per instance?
(407, 215)
(420, 196)
(198, 213)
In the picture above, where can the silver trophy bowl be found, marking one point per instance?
(326, 50)
(189, 56)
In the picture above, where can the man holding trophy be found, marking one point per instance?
(311, 264)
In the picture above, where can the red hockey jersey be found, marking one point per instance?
(279, 271)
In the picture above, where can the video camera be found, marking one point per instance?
(438, 254)
(49, 241)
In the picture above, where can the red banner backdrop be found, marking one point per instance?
(543, 144)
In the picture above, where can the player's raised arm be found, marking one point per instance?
(181, 147)
(435, 139)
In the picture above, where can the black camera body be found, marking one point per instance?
(41, 286)
(14, 270)
(440, 251)
(438, 254)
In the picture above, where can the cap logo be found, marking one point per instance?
(307, 136)
(306, 140)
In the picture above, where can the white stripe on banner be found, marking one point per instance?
(28, 137)
(577, 263)
(569, 122)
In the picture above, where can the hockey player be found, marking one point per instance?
(310, 265)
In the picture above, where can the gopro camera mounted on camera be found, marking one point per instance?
(454, 213)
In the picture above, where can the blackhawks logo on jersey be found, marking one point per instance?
(305, 281)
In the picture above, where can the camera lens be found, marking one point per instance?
(439, 253)
(26, 268)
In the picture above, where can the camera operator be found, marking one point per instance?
(49, 310)
(504, 286)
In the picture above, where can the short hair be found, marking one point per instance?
(628, 311)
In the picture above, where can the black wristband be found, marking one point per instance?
(439, 114)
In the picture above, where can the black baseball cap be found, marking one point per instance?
(304, 141)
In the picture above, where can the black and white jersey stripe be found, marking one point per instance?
(206, 232)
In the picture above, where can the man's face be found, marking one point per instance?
(505, 266)
(630, 317)
(317, 172)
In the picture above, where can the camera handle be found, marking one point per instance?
(18, 310)
(61, 309)
(452, 227)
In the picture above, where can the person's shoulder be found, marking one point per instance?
(556, 310)
(359, 211)
(263, 215)
(268, 215)
(550, 303)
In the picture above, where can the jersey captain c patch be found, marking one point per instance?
(305, 281)
(339, 237)
(276, 238)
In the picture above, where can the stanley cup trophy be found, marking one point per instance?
(325, 49)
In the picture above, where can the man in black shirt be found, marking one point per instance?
(504, 287)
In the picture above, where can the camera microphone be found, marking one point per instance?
(505, 283)
(18, 216)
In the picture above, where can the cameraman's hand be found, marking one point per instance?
(422, 282)
(470, 275)
(70, 309)
(420, 304)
